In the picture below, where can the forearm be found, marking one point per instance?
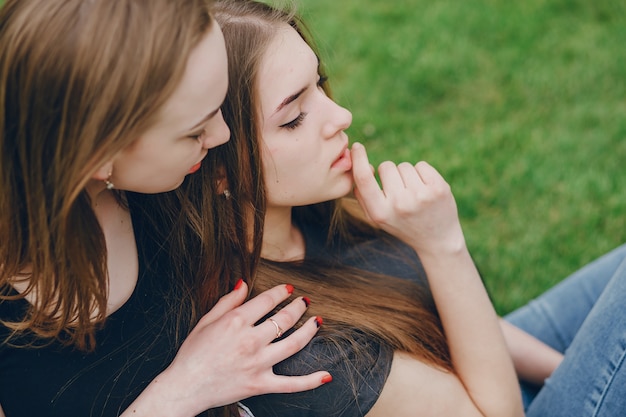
(417, 206)
(477, 347)
(534, 361)
(159, 399)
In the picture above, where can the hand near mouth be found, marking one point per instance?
(415, 203)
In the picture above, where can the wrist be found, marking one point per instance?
(159, 399)
(443, 251)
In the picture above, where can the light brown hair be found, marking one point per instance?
(389, 309)
(79, 81)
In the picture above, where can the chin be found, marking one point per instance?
(342, 191)
(169, 188)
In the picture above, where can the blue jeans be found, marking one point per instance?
(584, 317)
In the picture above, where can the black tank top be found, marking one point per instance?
(134, 345)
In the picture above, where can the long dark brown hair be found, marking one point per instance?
(79, 82)
(394, 311)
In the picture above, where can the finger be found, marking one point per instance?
(428, 173)
(290, 384)
(289, 345)
(364, 178)
(227, 303)
(359, 199)
(285, 318)
(259, 306)
(367, 191)
(279, 330)
(390, 178)
(410, 176)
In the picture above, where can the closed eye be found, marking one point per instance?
(198, 135)
(295, 122)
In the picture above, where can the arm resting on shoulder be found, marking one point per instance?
(227, 358)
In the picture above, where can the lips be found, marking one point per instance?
(195, 167)
(344, 160)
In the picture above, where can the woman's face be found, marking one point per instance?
(190, 123)
(305, 154)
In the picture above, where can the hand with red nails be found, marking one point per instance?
(227, 358)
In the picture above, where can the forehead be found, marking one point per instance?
(203, 85)
(287, 66)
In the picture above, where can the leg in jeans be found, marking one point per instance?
(556, 316)
(591, 380)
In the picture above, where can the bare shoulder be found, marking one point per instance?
(415, 388)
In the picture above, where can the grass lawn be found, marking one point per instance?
(520, 105)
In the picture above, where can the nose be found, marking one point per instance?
(218, 132)
(339, 119)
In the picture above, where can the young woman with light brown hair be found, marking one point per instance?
(397, 339)
(102, 102)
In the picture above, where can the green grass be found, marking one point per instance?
(520, 105)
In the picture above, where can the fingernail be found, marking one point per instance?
(327, 379)
(307, 301)
(318, 321)
(289, 288)
(238, 284)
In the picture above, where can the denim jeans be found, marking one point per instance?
(584, 317)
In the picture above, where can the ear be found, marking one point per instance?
(104, 172)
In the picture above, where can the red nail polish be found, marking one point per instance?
(327, 379)
(238, 284)
(319, 321)
(289, 288)
(307, 301)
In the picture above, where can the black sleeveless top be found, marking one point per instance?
(357, 381)
(134, 345)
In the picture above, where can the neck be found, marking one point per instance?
(104, 203)
(282, 240)
(95, 188)
(122, 260)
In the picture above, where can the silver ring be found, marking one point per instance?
(279, 331)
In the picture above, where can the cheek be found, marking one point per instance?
(289, 163)
(275, 159)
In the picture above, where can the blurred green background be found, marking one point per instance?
(520, 105)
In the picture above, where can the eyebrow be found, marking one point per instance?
(290, 99)
(294, 97)
(204, 120)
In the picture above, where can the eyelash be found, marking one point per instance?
(298, 120)
(198, 136)
(295, 122)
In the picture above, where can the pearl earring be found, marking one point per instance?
(108, 182)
